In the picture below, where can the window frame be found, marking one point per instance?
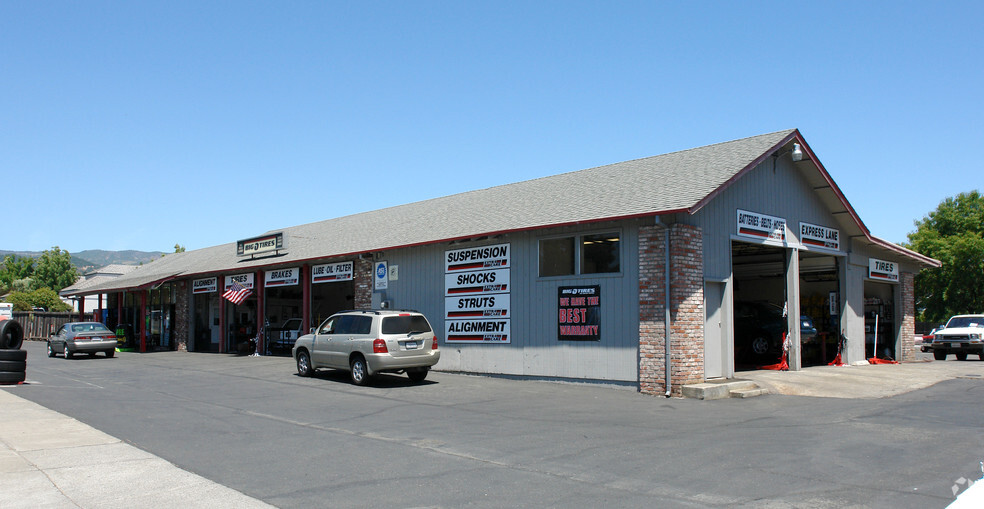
(579, 253)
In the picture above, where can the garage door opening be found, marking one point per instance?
(819, 308)
(759, 286)
(879, 320)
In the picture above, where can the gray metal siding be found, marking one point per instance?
(781, 193)
(534, 349)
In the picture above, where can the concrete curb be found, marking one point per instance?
(51, 460)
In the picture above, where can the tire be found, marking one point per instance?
(110, 353)
(13, 355)
(304, 367)
(68, 353)
(51, 351)
(11, 335)
(12, 377)
(938, 355)
(359, 370)
(417, 375)
(961, 356)
(13, 365)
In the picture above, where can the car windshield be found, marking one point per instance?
(965, 321)
(89, 327)
(405, 324)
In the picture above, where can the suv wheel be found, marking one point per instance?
(304, 364)
(939, 355)
(961, 356)
(417, 375)
(359, 370)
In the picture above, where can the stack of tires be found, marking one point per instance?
(13, 360)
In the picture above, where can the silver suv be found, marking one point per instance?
(369, 342)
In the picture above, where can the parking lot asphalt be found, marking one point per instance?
(139, 435)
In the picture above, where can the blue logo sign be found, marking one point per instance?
(381, 270)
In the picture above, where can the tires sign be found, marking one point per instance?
(883, 271)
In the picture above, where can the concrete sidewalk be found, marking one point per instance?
(863, 382)
(50, 460)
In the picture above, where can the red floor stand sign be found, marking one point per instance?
(840, 347)
(784, 362)
(876, 360)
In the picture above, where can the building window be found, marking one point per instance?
(557, 257)
(596, 254)
(600, 254)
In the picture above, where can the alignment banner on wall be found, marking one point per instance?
(207, 285)
(476, 295)
(579, 313)
(330, 272)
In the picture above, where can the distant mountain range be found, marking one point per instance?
(96, 258)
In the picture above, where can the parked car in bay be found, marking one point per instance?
(962, 335)
(368, 342)
(759, 328)
(283, 336)
(82, 337)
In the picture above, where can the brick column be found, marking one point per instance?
(907, 309)
(686, 308)
(651, 311)
(363, 283)
(182, 314)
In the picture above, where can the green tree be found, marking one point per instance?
(54, 270)
(13, 268)
(178, 248)
(954, 235)
(41, 298)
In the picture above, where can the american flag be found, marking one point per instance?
(237, 293)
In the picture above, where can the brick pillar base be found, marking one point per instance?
(363, 284)
(686, 308)
(181, 314)
(907, 343)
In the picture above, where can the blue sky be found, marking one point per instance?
(139, 125)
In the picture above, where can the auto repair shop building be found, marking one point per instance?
(566, 276)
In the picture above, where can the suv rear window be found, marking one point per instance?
(404, 324)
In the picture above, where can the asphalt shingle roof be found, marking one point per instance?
(671, 182)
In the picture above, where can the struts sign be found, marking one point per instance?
(479, 306)
(579, 313)
(476, 294)
(761, 226)
(819, 236)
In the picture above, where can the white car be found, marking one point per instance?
(369, 342)
(962, 335)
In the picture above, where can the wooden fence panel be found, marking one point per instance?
(40, 325)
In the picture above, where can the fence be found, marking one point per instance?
(40, 325)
